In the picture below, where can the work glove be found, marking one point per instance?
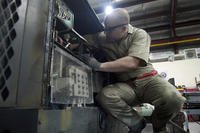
(145, 110)
(92, 62)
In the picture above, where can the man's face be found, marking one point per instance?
(114, 28)
(115, 34)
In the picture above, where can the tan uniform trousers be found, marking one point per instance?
(118, 99)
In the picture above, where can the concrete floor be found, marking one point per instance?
(114, 126)
(193, 127)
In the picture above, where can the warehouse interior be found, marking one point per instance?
(40, 68)
(174, 29)
(173, 26)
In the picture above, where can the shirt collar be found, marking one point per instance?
(130, 29)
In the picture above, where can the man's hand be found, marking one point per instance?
(93, 63)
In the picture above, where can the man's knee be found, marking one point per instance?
(106, 94)
(174, 105)
(170, 104)
(118, 91)
(176, 101)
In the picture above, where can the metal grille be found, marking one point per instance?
(8, 18)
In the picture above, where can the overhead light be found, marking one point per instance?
(108, 10)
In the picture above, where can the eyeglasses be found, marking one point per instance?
(112, 28)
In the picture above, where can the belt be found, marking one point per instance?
(152, 73)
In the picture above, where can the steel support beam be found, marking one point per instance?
(176, 40)
(177, 25)
(152, 15)
(173, 18)
(173, 22)
(122, 4)
(164, 13)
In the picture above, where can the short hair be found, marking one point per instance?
(120, 16)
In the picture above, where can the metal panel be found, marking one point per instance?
(22, 46)
(71, 120)
(71, 79)
(84, 17)
(31, 69)
(18, 121)
(75, 120)
(54, 121)
(12, 19)
(22, 42)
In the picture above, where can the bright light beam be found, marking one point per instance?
(108, 10)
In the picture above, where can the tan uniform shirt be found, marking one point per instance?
(136, 44)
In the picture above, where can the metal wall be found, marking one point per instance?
(24, 24)
(22, 52)
(32, 56)
(11, 37)
(71, 120)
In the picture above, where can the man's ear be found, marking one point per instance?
(124, 29)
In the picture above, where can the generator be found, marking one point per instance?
(46, 84)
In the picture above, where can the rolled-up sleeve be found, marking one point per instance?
(140, 45)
